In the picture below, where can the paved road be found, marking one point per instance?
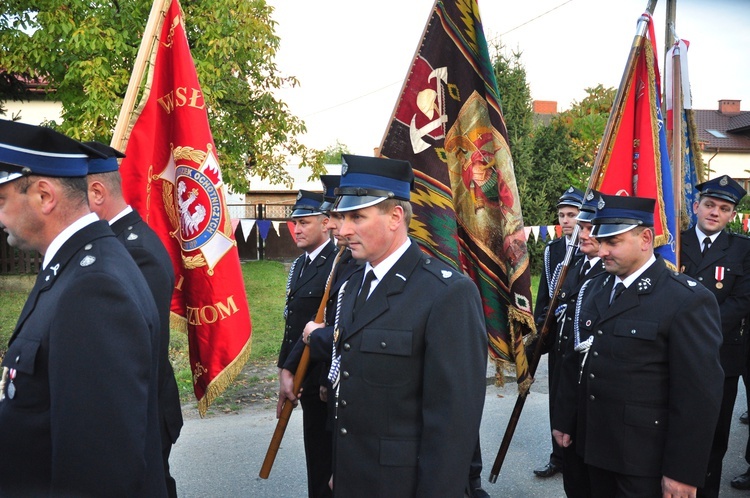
(220, 456)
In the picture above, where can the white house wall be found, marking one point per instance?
(734, 164)
(33, 111)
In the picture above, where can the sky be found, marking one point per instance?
(351, 57)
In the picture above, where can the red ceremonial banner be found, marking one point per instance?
(637, 163)
(171, 176)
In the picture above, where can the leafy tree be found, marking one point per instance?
(332, 154)
(587, 120)
(86, 52)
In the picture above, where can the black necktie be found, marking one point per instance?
(305, 264)
(362, 297)
(619, 289)
(585, 268)
(706, 245)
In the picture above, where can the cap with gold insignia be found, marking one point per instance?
(572, 197)
(589, 206)
(724, 188)
(107, 164)
(308, 204)
(366, 181)
(330, 183)
(619, 213)
(37, 150)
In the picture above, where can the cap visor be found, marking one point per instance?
(607, 230)
(720, 196)
(301, 213)
(9, 172)
(585, 216)
(352, 202)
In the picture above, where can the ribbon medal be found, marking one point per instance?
(719, 276)
(11, 385)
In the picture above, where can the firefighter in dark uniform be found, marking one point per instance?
(305, 288)
(648, 342)
(319, 336)
(567, 210)
(148, 252)
(721, 262)
(588, 266)
(411, 349)
(78, 393)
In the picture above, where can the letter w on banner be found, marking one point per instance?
(638, 163)
(171, 176)
(448, 124)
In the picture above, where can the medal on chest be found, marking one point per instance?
(719, 276)
(11, 385)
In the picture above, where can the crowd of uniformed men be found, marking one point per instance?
(645, 361)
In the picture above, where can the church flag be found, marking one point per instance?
(448, 124)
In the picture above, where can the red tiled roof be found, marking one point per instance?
(736, 127)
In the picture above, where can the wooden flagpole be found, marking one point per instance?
(614, 117)
(143, 59)
(299, 376)
(677, 133)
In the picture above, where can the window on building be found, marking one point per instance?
(716, 133)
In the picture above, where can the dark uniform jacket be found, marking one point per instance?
(302, 302)
(152, 258)
(730, 254)
(413, 366)
(554, 254)
(563, 342)
(652, 379)
(322, 340)
(83, 417)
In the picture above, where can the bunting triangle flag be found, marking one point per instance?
(290, 227)
(535, 232)
(276, 226)
(264, 226)
(448, 124)
(247, 227)
(172, 177)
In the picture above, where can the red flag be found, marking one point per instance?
(448, 125)
(171, 176)
(637, 162)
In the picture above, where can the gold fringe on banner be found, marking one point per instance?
(219, 384)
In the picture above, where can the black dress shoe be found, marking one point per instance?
(548, 470)
(742, 481)
(743, 418)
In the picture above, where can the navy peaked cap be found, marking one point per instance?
(37, 150)
(308, 204)
(330, 183)
(724, 188)
(590, 206)
(366, 181)
(107, 164)
(617, 214)
(572, 197)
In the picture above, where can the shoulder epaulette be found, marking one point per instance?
(444, 273)
(685, 280)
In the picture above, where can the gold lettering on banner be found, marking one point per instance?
(178, 285)
(180, 97)
(198, 371)
(211, 312)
